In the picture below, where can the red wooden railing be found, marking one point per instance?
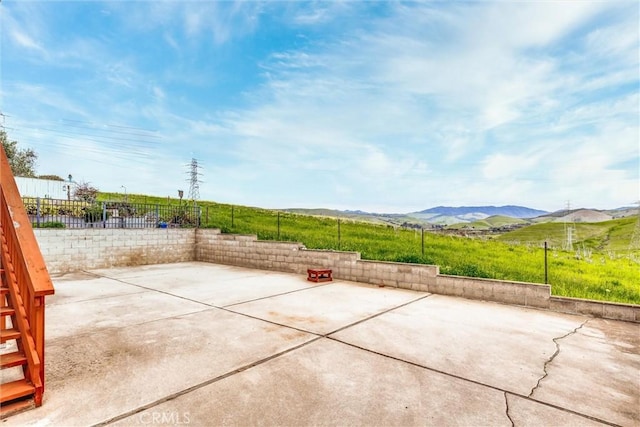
(26, 276)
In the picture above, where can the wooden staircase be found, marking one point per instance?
(24, 284)
(17, 395)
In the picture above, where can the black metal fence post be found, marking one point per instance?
(278, 225)
(422, 229)
(38, 213)
(546, 271)
(231, 216)
(104, 215)
(339, 236)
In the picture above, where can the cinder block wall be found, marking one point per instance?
(247, 251)
(71, 250)
(80, 249)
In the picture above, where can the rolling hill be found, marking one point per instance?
(467, 214)
(575, 215)
(610, 274)
(492, 222)
(613, 235)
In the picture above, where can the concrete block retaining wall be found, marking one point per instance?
(80, 249)
(247, 251)
(67, 250)
(606, 310)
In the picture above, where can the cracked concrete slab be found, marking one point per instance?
(498, 345)
(597, 372)
(220, 285)
(407, 357)
(525, 412)
(116, 311)
(330, 383)
(326, 308)
(152, 270)
(556, 341)
(94, 377)
(84, 287)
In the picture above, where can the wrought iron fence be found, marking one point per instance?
(54, 213)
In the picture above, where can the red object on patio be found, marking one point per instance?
(319, 275)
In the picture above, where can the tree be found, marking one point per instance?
(85, 192)
(21, 160)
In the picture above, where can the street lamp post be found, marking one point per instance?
(69, 188)
(125, 192)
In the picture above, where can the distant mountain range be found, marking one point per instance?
(441, 215)
(487, 211)
(448, 215)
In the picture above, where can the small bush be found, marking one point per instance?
(468, 270)
(94, 214)
(52, 224)
(412, 259)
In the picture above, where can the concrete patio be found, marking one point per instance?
(205, 344)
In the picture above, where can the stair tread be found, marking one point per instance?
(16, 390)
(12, 408)
(6, 311)
(4, 290)
(10, 360)
(9, 334)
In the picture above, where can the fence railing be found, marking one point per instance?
(55, 213)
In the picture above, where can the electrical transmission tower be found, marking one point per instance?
(194, 181)
(568, 230)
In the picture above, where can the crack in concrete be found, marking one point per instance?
(554, 355)
(471, 381)
(506, 401)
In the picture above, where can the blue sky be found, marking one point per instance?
(380, 106)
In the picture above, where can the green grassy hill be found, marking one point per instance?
(488, 223)
(391, 219)
(614, 235)
(607, 271)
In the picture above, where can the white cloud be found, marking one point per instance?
(616, 40)
(316, 13)
(24, 40)
(424, 104)
(516, 25)
(219, 22)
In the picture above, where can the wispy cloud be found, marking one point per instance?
(407, 106)
(24, 40)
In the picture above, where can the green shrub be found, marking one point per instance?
(94, 213)
(411, 259)
(52, 224)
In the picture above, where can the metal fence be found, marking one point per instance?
(54, 213)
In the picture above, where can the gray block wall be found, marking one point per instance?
(68, 250)
(81, 249)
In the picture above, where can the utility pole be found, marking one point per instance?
(69, 188)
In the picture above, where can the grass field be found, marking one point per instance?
(490, 222)
(600, 266)
(608, 236)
